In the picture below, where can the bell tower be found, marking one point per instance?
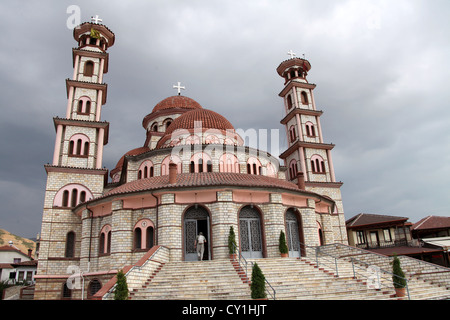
(75, 174)
(307, 158)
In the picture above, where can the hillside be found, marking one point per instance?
(22, 244)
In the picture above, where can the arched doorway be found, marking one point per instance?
(293, 233)
(196, 220)
(250, 233)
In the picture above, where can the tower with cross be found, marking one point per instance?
(307, 157)
(76, 173)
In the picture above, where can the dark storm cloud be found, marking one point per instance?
(381, 69)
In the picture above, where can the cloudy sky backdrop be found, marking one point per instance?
(381, 68)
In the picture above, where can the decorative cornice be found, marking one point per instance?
(295, 111)
(310, 145)
(87, 85)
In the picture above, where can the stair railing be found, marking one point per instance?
(375, 276)
(243, 264)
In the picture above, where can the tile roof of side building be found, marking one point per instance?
(363, 219)
(432, 222)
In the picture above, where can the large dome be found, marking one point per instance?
(209, 120)
(177, 102)
(193, 120)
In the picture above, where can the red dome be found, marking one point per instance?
(177, 102)
(209, 120)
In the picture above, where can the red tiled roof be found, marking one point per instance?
(133, 152)
(209, 120)
(177, 102)
(432, 222)
(205, 179)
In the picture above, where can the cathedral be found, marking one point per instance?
(192, 174)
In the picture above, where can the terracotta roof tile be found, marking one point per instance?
(176, 102)
(205, 179)
(209, 120)
(133, 152)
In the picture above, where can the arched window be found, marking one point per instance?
(167, 122)
(143, 234)
(253, 166)
(229, 163)
(105, 240)
(71, 195)
(146, 170)
(199, 163)
(84, 105)
(292, 134)
(320, 234)
(70, 245)
(86, 148)
(310, 132)
(137, 238)
(74, 200)
(165, 164)
(289, 101)
(88, 68)
(293, 169)
(65, 200)
(304, 97)
(155, 127)
(82, 196)
(79, 145)
(317, 164)
(93, 287)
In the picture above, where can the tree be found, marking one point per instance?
(282, 245)
(232, 241)
(121, 290)
(258, 285)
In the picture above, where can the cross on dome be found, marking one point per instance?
(96, 19)
(291, 53)
(179, 87)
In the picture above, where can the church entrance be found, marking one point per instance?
(292, 233)
(250, 234)
(196, 220)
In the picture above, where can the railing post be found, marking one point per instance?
(317, 256)
(335, 262)
(353, 267)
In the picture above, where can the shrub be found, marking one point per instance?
(232, 241)
(121, 290)
(282, 245)
(398, 277)
(258, 285)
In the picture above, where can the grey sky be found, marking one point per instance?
(381, 68)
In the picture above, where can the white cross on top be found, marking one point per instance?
(96, 19)
(291, 53)
(179, 87)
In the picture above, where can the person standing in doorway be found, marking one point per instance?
(200, 245)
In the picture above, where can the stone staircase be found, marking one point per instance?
(299, 279)
(426, 281)
(196, 280)
(311, 278)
